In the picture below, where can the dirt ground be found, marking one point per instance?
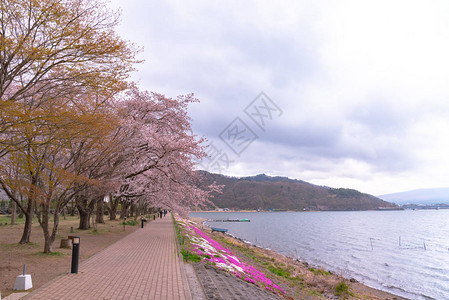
(44, 267)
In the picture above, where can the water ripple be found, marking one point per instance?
(402, 252)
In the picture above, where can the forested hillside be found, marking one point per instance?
(281, 193)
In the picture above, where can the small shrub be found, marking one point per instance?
(342, 289)
(132, 222)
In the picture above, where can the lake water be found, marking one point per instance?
(402, 252)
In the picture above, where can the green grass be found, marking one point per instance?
(55, 253)
(17, 245)
(319, 271)
(6, 219)
(184, 244)
(279, 271)
(130, 223)
(19, 221)
(189, 256)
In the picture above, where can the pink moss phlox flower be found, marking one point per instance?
(250, 280)
(223, 258)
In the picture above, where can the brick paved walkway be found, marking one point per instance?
(143, 265)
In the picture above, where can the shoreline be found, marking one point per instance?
(316, 277)
(296, 211)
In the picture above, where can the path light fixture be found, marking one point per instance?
(75, 253)
(143, 220)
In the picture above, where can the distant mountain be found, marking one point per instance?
(281, 193)
(419, 196)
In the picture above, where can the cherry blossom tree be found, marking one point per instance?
(158, 162)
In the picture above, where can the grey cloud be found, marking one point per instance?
(227, 59)
(382, 116)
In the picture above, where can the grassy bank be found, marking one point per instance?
(297, 279)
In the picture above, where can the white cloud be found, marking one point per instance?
(363, 85)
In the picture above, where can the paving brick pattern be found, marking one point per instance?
(219, 285)
(143, 265)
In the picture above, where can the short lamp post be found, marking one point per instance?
(75, 253)
(124, 223)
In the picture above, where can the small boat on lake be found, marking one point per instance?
(219, 229)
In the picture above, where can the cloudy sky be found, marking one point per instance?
(356, 93)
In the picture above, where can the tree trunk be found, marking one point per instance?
(112, 212)
(85, 209)
(131, 211)
(44, 221)
(84, 219)
(94, 223)
(72, 212)
(24, 210)
(44, 225)
(13, 212)
(100, 211)
(29, 213)
(28, 223)
(112, 207)
(124, 211)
